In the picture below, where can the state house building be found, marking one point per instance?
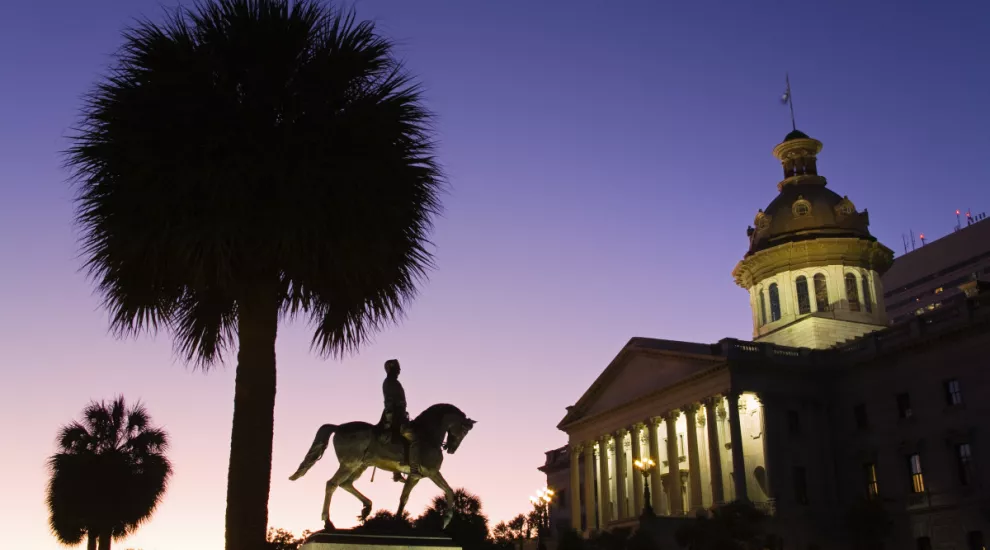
(829, 404)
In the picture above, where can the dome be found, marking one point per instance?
(796, 134)
(807, 210)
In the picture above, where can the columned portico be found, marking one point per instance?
(689, 460)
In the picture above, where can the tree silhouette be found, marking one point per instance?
(280, 539)
(511, 533)
(469, 526)
(246, 161)
(108, 476)
(387, 523)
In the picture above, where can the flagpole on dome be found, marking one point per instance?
(789, 100)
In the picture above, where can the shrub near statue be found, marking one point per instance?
(360, 445)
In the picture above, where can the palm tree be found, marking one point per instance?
(469, 526)
(247, 161)
(108, 476)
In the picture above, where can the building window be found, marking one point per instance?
(852, 293)
(867, 301)
(793, 422)
(862, 421)
(924, 543)
(774, 303)
(804, 302)
(763, 308)
(870, 472)
(964, 456)
(904, 406)
(800, 485)
(953, 393)
(562, 499)
(974, 541)
(917, 478)
(821, 293)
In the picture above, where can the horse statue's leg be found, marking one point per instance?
(348, 485)
(411, 482)
(343, 473)
(438, 479)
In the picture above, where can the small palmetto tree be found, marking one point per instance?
(469, 525)
(246, 161)
(108, 476)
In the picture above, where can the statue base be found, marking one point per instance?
(349, 540)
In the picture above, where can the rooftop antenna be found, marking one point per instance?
(904, 240)
(958, 221)
(922, 237)
(788, 99)
(912, 240)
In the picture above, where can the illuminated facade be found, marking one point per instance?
(825, 408)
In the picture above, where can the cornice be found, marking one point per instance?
(580, 422)
(790, 256)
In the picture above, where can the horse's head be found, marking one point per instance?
(456, 432)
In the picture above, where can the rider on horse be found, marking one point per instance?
(395, 419)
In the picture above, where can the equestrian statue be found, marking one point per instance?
(396, 444)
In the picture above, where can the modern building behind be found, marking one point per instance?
(828, 407)
(931, 275)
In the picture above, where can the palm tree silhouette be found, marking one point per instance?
(247, 161)
(469, 526)
(108, 476)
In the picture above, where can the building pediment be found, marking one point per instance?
(643, 367)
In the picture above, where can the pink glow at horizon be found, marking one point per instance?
(604, 166)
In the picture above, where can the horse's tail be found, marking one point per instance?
(315, 453)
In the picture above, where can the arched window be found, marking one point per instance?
(867, 300)
(804, 302)
(821, 293)
(852, 292)
(763, 308)
(774, 303)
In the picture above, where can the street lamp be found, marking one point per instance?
(541, 502)
(645, 465)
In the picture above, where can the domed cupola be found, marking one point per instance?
(811, 256)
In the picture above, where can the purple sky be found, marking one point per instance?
(605, 164)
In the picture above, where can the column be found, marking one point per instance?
(656, 489)
(714, 451)
(575, 491)
(694, 462)
(589, 487)
(738, 463)
(637, 484)
(621, 504)
(604, 496)
(673, 465)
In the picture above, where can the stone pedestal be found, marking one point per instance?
(349, 540)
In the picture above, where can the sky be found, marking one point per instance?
(604, 162)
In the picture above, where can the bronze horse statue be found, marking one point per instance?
(358, 447)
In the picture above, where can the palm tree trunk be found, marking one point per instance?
(91, 540)
(105, 541)
(250, 470)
